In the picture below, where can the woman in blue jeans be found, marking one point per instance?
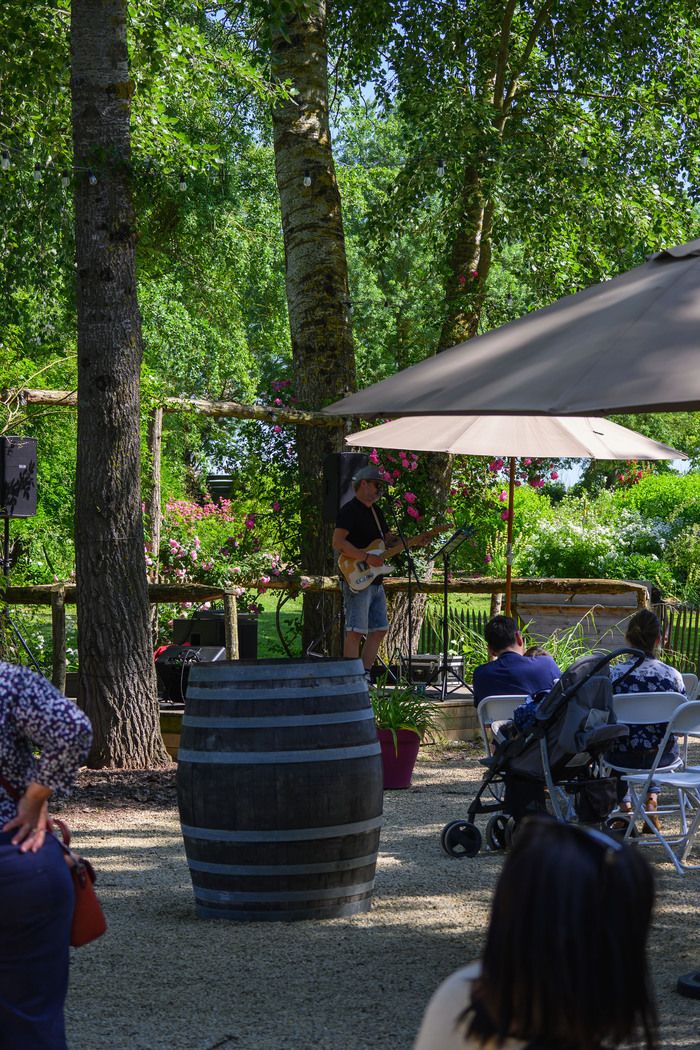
(43, 739)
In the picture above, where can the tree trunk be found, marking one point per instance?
(316, 276)
(117, 673)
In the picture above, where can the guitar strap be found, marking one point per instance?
(381, 530)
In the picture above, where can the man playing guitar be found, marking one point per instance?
(360, 524)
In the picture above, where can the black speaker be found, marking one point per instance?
(207, 628)
(338, 469)
(173, 667)
(18, 477)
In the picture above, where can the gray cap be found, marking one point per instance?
(369, 473)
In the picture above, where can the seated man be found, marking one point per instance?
(509, 671)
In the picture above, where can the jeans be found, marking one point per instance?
(36, 891)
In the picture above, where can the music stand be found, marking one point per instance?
(445, 552)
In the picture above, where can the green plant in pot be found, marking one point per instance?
(405, 719)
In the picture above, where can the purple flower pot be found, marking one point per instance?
(398, 768)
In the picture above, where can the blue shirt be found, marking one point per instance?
(510, 673)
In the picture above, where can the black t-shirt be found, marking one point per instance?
(361, 525)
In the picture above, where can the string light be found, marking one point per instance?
(307, 178)
(65, 180)
(92, 178)
(441, 168)
(182, 184)
(583, 159)
(5, 160)
(37, 172)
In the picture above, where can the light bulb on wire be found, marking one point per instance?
(5, 160)
(182, 184)
(37, 172)
(307, 178)
(65, 179)
(583, 159)
(92, 178)
(441, 168)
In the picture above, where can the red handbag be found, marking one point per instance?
(89, 921)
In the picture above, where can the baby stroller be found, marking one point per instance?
(561, 750)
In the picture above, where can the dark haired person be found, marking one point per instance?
(358, 525)
(509, 671)
(43, 739)
(564, 967)
(652, 676)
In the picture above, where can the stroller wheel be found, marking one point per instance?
(460, 839)
(689, 985)
(496, 831)
(617, 827)
(509, 831)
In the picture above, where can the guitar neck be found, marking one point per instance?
(413, 541)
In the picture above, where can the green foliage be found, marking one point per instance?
(402, 707)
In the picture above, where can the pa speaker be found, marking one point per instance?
(207, 628)
(338, 470)
(17, 477)
(173, 667)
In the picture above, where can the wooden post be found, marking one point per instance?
(509, 539)
(155, 441)
(231, 625)
(58, 636)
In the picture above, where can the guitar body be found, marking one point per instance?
(358, 574)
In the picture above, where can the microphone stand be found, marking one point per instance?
(409, 589)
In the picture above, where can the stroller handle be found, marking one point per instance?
(604, 660)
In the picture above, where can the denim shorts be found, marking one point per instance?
(366, 611)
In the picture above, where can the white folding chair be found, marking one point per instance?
(684, 781)
(642, 709)
(690, 681)
(495, 709)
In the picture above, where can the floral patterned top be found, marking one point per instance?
(652, 676)
(35, 716)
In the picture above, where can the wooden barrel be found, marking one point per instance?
(279, 787)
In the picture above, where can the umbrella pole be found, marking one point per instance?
(509, 539)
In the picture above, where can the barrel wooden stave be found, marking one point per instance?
(268, 838)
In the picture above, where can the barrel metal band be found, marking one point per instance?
(283, 869)
(262, 758)
(283, 835)
(282, 895)
(277, 721)
(300, 672)
(231, 692)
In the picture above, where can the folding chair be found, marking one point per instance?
(685, 781)
(642, 709)
(496, 709)
(690, 681)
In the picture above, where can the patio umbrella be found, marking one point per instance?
(511, 436)
(627, 345)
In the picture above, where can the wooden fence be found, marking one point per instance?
(58, 595)
(680, 631)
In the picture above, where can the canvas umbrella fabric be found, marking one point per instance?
(631, 344)
(511, 437)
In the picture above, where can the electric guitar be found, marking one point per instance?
(359, 575)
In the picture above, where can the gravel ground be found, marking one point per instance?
(161, 979)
